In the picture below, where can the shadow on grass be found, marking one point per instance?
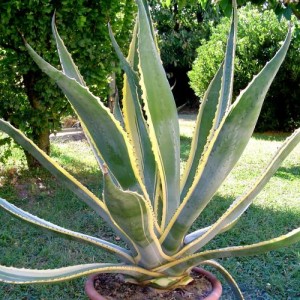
(37, 184)
(288, 173)
(271, 136)
(185, 145)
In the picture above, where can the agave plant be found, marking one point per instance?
(145, 200)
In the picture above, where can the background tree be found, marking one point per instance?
(259, 37)
(28, 100)
(181, 29)
(281, 7)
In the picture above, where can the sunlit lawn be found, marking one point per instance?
(275, 211)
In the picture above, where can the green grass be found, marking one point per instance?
(275, 211)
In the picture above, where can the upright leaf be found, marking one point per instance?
(68, 65)
(117, 111)
(146, 7)
(228, 70)
(135, 124)
(161, 114)
(71, 70)
(203, 131)
(216, 101)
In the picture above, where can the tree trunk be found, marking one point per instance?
(112, 92)
(40, 135)
(43, 141)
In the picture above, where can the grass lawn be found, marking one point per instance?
(275, 211)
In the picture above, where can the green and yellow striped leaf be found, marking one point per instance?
(67, 63)
(161, 114)
(25, 276)
(228, 69)
(71, 70)
(117, 111)
(216, 102)
(146, 7)
(203, 131)
(135, 124)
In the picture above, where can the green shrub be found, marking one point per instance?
(260, 34)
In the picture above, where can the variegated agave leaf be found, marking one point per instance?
(161, 115)
(134, 120)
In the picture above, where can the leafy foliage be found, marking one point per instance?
(281, 8)
(259, 34)
(28, 100)
(180, 31)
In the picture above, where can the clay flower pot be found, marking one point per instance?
(215, 294)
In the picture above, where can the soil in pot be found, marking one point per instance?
(112, 287)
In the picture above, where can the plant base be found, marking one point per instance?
(111, 287)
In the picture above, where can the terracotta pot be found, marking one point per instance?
(216, 284)
(214, 295)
